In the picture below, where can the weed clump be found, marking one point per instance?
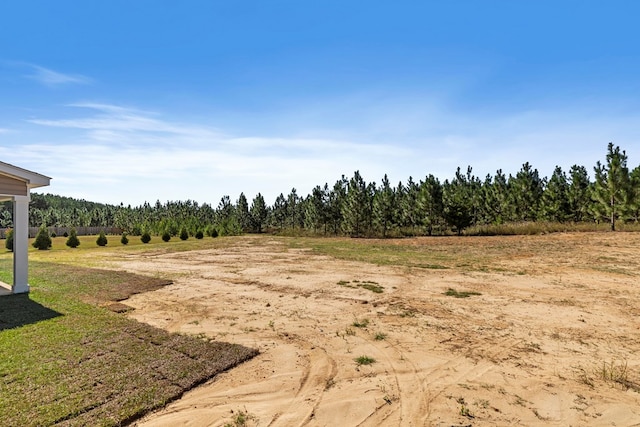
(361, 323)
(365, 360)
(380, 336)
(371, 286)
(239, 420)
(617, 373)
(462, 294)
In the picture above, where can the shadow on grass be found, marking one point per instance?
(89, 366)
(20, 310)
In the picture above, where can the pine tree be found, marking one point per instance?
(476, 195)
(9, 242)
(579, 194)
(6, 217)
(242, 213)
(356, 207)
(279, 211)
(634, 211)
(102, 239)
(612, 190)
(555, 200)
(224, 212)
(293, 209)
(526, 193)
(496, 207)
(335, 204)
(226, 219)
(384, 207)
(258, 213)
(430, 204)
(370, 192)
(43, 240)
(457, 200)
(315, 214)
(72, 240)
(184, 235)
(409, 206)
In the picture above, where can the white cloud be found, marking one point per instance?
(52, 78)
(118, 121)
(114, 153)
(119, 154)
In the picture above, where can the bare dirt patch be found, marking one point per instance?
(548, 333)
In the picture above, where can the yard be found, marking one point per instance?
(518, 330)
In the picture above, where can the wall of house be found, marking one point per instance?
(13, 187)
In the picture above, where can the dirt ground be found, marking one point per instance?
(552, 339)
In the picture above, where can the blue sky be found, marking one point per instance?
(127, 101)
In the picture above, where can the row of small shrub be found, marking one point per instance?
(184, 235)
(43, 239)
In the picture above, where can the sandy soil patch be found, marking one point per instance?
(534, 348)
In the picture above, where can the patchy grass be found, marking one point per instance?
(365, 360)
(542, 227)
(381, 252)
(85, 365)
(360, 323)
(617, 373)
(460, 294)
(345, 283)
(486, 254)
(380, 336)
(432, 266)
(349, 332)
(240, 419)
(371, 286)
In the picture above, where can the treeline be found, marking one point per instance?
(59, 211)
(354, 207)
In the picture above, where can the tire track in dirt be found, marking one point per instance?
(319, 370)
(329, 379)
(483, 361)
(411, 404)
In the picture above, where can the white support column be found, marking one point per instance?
(20, 244)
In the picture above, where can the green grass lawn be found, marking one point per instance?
(67, 360)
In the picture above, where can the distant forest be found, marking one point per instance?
(354, 207)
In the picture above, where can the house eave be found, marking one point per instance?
(33, 179)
